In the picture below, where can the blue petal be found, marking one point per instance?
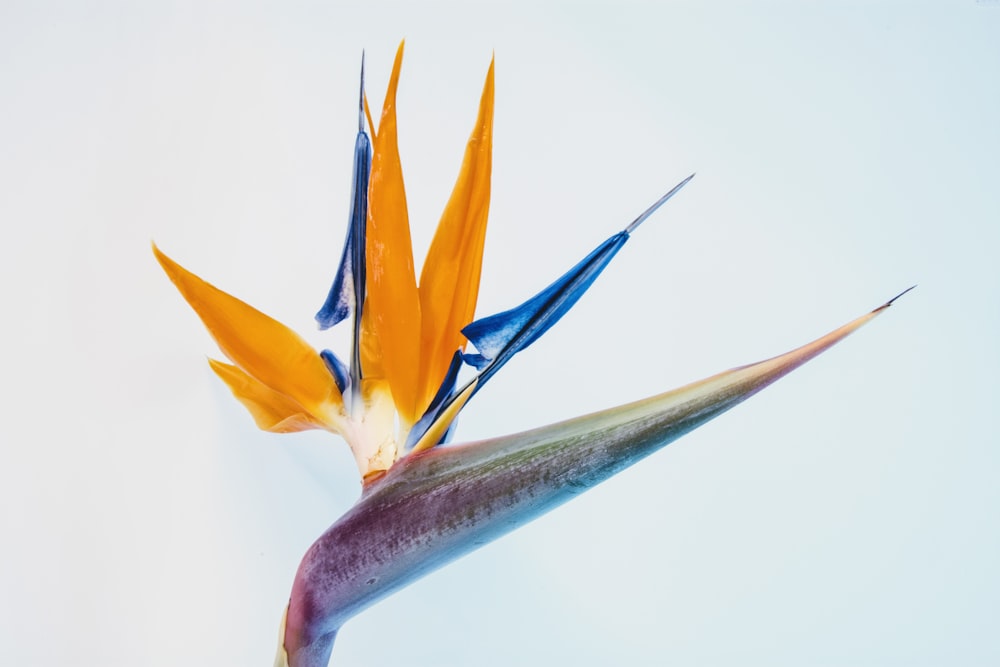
(500, 336)
(349, 284)
(340, 301)
(348, 291)
(341, 374)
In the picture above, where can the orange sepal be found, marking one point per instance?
(392, 303)
(271, 411)
(449, 282)
(264, 348)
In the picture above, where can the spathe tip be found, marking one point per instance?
(894, 299)
(659, 202)
(361, 96)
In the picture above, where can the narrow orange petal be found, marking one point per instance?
(261, 346)
(392, 304)
(271, 411)
(449, 283)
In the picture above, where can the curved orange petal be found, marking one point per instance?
(261, 346)
(271, 411)
(449, 282)
(392, 303)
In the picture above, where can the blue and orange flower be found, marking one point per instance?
(398, 392)
(396, 397)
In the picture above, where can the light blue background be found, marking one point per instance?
(848, 515)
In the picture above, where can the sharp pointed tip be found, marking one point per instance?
(894, 299)
(361, 96)
(160, 256)
(659, 202)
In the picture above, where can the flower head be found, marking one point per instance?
(396, 397)
(398, 392)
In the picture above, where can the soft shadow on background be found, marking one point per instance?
(848, 515)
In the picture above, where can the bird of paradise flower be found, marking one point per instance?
(396, 398)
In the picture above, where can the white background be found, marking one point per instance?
(847, 515)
